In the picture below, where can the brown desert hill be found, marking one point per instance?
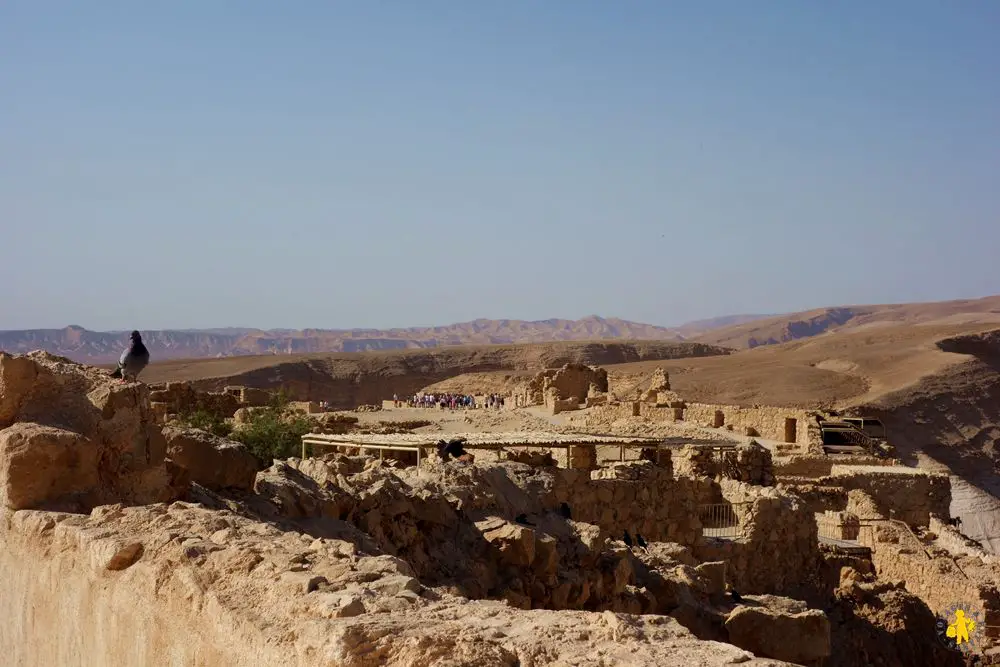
(97, 347)
(350, 379)
(950, 420)
(700, 327)
(843, 369)
(795, 326)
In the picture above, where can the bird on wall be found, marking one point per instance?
(627, 539)
(640, 540)
(133, 359)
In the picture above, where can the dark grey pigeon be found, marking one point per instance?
(133, 360)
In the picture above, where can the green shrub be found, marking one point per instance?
(206, 421)
(270, 434)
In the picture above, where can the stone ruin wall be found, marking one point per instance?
(565, 388)
(761, 421)
(770, 423)
(174, 398)
(778, 552)
(638, 497)
(906, 494)
(938, 581)
(915, 497)
(814, 466)
(751, 463)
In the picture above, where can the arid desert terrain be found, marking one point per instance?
(644, 502)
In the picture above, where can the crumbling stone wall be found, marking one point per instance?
(939, 576)
(820, 465)
(181, 397)
(903, 493)
(571, 383)
(817, 497)
(694, 461)
(838, 525)
(750, 463)
(759, 421)
(779, 550)
(639, 496)
(766, 422)
(954, 541)
(249, 396)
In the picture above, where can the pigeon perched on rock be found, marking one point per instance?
(627, 539)
(133, 360)
(640, 540)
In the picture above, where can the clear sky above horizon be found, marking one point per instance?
(376, 164)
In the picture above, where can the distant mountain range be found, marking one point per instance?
(737, 331)
(104, 347)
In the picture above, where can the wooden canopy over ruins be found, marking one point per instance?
(418, 442)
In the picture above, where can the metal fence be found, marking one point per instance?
(723, 519)
(832, 528)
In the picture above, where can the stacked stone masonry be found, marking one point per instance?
(778, 550)
(783, 425)
(750, 463)
(908, 494)
(565, 388)
(820, 465)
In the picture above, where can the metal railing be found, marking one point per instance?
(723, 519)
(855, 436)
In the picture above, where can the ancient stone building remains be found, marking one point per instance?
(566, 388)
(174, 398)
(249, 396)
(783, 425)
(71, 439)
(750, 463)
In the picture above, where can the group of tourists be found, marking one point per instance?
(452, 401)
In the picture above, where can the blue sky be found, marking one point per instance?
(391, 163)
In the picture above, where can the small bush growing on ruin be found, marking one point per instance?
(206, 421)
(271, 434)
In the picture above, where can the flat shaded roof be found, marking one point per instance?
(511, 438)
(837, 469)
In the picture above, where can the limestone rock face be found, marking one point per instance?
(800, 637)
(72, 437)
(213, 462)
(35, 463)
(295, 494)
(885, 623)
(515, 543)
(17, 375)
